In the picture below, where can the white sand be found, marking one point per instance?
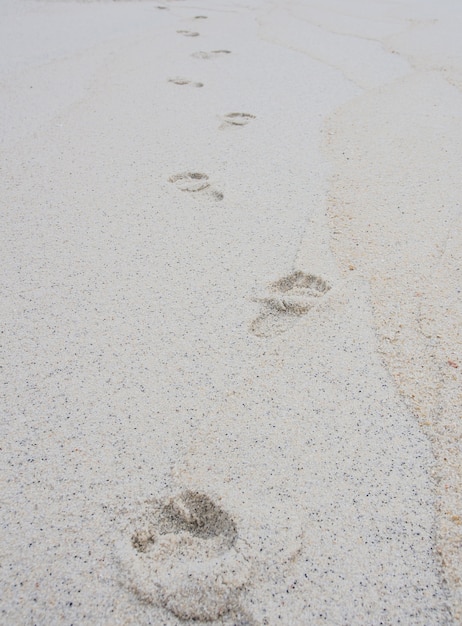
(231, 312)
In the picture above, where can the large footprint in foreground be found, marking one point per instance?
(288, 299)
(184, 554)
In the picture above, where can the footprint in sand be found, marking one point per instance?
(236, 119)
(210, 55)
(185, 555)
(194, 182)
(188, 33)
(288, 299)
(184, 81)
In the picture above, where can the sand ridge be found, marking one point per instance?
(416, 316)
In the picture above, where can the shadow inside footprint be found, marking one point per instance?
(184, 81)
(210, 55)
(194, 182)
(288, 299)
(237, 119)
(190, 181)
(185, 555)
(188, 33)
(192, 513)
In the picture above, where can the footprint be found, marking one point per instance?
(288, 299)
(210, 55)
(201, 17)
(190, 181)
(194, 182)
(236, 119)
(188, 33)
(184, 81)
(185, 555)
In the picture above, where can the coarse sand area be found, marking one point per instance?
(231, 343)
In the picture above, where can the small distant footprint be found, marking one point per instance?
(236, 119)
(184, 81)
(210, 55)
(288, 299)
(194, 182)
(200, 17)
(185, 555)
(188, 33)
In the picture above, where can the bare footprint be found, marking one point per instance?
(210, 55)
(288, 299)
(194, 182)
(185, 555)
(188, 33)
(236, 119)
(190, 181)
(184, 81)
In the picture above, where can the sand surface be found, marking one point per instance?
(231, 312)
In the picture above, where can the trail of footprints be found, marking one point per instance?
(184, 553)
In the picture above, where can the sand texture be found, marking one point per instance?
(231, 312)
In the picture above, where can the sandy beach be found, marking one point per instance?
(231, 312)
